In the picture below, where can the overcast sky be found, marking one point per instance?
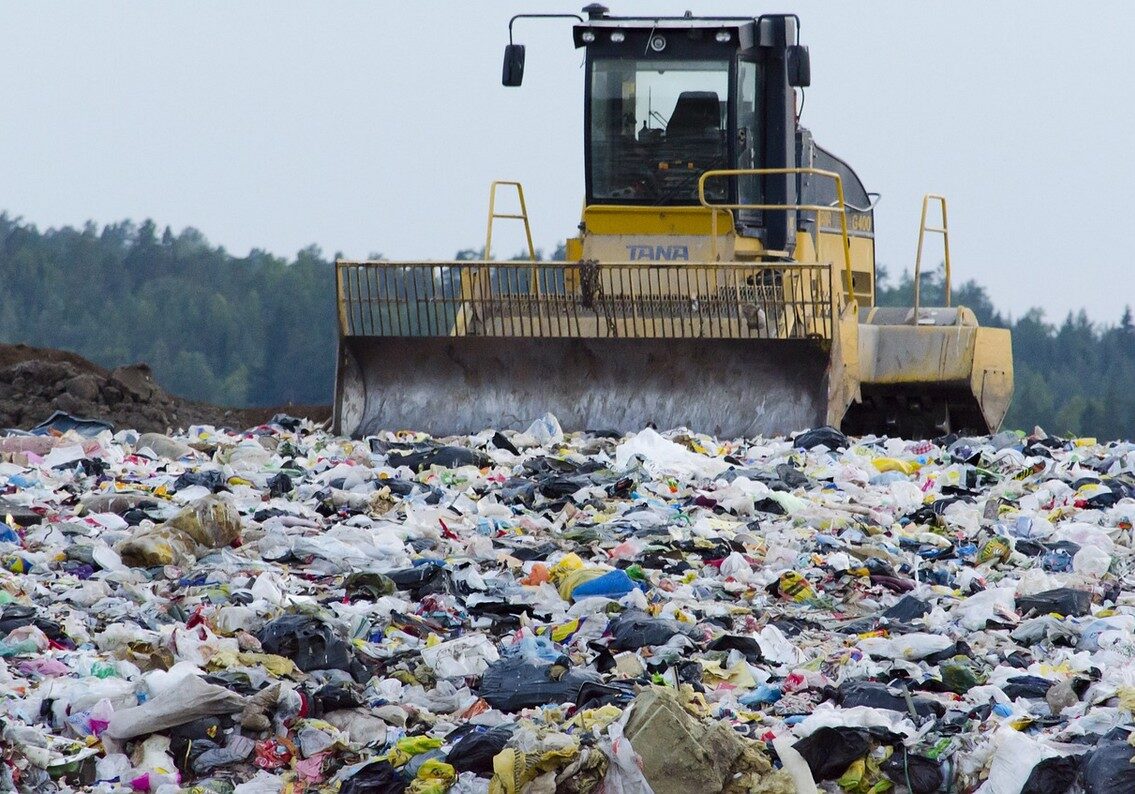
(376, 127)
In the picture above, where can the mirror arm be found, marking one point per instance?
(540, 16)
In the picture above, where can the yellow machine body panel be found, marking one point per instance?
(620, 220)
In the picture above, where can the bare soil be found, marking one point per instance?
(36, 382)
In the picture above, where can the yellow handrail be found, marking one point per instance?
(840, 207)
(493, 215)
(943, 230)
(478, 287)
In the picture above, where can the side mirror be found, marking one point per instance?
(799, 66)
(513, 72)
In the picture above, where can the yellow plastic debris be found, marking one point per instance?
(574, 579)
(796, 587)
(894, 464)
(434, 777)
(409, 747)
(596, 718)
(1126, 695)
(276, 665)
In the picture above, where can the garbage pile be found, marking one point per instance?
(283, 610)
(38, 384)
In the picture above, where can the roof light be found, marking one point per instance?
(587, 36)
(658, 43)
(723, 36)
(618, 36)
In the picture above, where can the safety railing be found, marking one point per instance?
(943, 230)
(839, 208)
(585, 300)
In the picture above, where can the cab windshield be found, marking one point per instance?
(656, 125)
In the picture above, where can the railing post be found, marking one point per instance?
(943, 230)
(339, 296)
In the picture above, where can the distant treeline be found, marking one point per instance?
(1075, 378)
(260, 330)
(231, 330)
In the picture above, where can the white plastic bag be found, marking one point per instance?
(794, 764)
(546, 430)
(624, 774)
(1092, 561)
(464, 656)
(916, 645)
(974, 611)
(1014, 757)
(663, 456)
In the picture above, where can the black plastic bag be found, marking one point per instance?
(518, 490)
(280, 484)
(878, 696)
(1108, 769)
(446, 457)
(286, 421)
(959, 648)
(311, 644)
(474, 751)
(746, 645)
(1053, 775)
(925, 774)
(634, 629)
(501, 442)
(826, 436)
(212, 479)
(399, 487)
(23, 516)
(770, 506)
(1065, 600)
(830, 751)
(420, 580)
(14, 616)
(528, 553)
(377, 778)
(332, 697)
(515, 683)
(1026, 686)
(592, 695)
(559, 487)
(504, 615)
(907, 609)
(186, 751)
(792, 477)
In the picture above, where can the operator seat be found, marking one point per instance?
(694, 140)
(695, 113)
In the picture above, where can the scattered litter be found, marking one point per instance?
(285, 610)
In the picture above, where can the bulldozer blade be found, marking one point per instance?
(925, 380)
(464, 384)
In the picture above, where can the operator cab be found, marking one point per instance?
(667, 99)
(664, 103)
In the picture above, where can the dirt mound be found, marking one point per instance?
(36, 382)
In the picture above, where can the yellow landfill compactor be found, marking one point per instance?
(723, 277)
